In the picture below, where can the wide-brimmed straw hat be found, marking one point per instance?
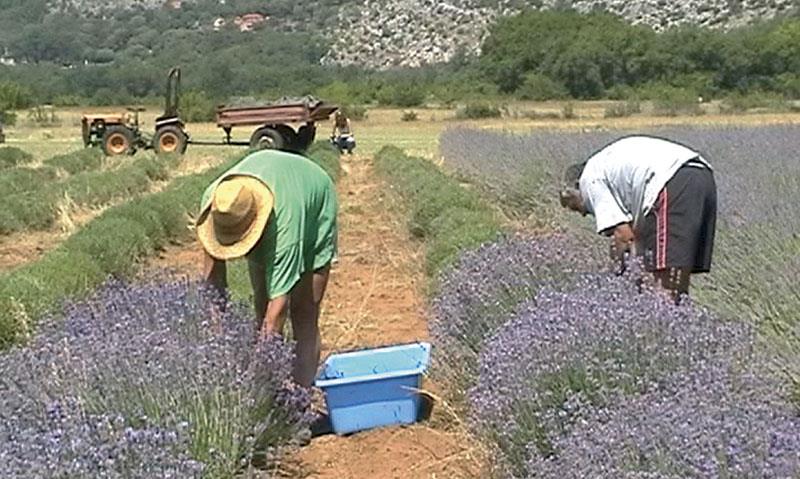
(233, 222)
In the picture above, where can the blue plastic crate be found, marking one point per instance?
(374, 387)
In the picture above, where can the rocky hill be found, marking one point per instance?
(386, 33)
(383, 34)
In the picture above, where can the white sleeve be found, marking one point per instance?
(603, 203)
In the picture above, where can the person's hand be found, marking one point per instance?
(622, 242)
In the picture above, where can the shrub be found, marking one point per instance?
(568, 111)
(327, 156)
(622, 109)
(449, 217)
(475, 111)
(540, 87)
(409, 115)
(8, 118)
(601, 341)
(11, 156)
(742, 102)
(78, 161)
(197, 106)
(17, 180)
(130, 238)
(673, 101)
(178, 381)
(354, 112)
(713, 423)
(478, 294)
(402, 95)
(111, 244)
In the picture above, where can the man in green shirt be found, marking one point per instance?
(279, 211)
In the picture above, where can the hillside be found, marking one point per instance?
(413, 32)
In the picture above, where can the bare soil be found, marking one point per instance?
(374, 298)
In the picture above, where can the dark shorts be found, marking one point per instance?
(679, 231)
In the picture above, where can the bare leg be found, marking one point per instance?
(674, 280)
(306, 299)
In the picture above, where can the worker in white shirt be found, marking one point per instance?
(656, 198)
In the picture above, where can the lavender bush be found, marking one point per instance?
(62, 440)
(159, 355)
(756, 265)
(479, 293)
(711, 423)
(568, 352)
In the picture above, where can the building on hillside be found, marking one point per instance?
(174, 4)
(249, 21)
(219, 24)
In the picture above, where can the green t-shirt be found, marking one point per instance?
(301, 233)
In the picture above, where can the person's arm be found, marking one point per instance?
(270, 314)
(606, 207)
(215, 272)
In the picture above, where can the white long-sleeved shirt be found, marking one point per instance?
(621, 182)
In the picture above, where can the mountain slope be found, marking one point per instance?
(382, 34)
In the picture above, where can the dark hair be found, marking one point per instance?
(573, 174)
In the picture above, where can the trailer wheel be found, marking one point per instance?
(289, 137)
(118, 140)
(266, 138)
(305, 137)
(170, 139)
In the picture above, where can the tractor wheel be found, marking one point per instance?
(266, 138)
(118, 140)
(170, 139)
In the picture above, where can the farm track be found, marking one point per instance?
(375, 297)
(24, 247)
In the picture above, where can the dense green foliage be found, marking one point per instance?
(121, 56)
(11, 156)
(77, 161)
(538, 54)
(446, 215)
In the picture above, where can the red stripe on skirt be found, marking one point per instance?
(662, 230)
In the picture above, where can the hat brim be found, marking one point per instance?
(205, 226)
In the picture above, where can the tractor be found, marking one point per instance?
(119, 134)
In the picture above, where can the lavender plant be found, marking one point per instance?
(755, 267)
(483, 288)
(713, 422)
(600, 341)
(166, 355)
(64, 441)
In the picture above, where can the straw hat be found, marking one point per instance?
(234, 221)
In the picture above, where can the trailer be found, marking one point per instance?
(286, 124)
(274, 122)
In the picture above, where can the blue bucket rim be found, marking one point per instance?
(323, 383)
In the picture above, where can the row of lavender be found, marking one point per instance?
(571, 371)
(160, 379)
(157, 379)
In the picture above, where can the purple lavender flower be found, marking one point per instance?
(568, 352)
(713, 421)
(480, 292)
(165, 354)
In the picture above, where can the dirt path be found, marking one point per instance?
(374, 298)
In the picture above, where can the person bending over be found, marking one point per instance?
(656, 198)
(278, 210)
